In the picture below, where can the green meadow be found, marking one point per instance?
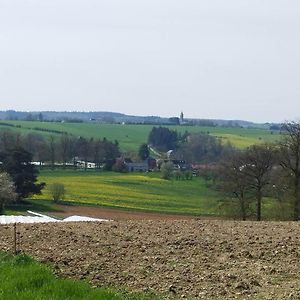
(131, 136)
(24, 279)
(133, 191)
(145, 192)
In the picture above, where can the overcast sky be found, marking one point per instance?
(233, 59)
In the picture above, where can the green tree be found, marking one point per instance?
(17, 163)
(200, 148)
(144, 152)
(167, 169)
(163, 139)
(7, 191)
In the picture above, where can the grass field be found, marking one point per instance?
(145, 192)
(131, 136)
(24, 279)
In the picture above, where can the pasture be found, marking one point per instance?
(23, 278)
(130, 137)
(134, 191)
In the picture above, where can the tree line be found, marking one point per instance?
(263, 171)
(245, 178)
(62, 150)
(191, 147)
(18, 176)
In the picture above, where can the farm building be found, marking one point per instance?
(83, 164)
(151, 163)
(137, 166)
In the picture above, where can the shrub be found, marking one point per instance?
(57, 191)
(167, 170)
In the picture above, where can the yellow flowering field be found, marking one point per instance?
(137, 191)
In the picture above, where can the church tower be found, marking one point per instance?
(181, 118)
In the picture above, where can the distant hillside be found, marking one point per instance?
(76, 116)
(119, 118)
(131, 136)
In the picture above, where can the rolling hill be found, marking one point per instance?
(130, 136)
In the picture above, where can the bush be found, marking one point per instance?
(57, 191)
(167, 170)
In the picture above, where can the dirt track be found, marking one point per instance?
(184, 258)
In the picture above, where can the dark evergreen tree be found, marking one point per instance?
(163, 138)
(144, 152)
(17, 163)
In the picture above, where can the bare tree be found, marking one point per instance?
(52, 148)
(259, 161)
(246, 176)
(83, 146)
(234, 183)
(290, 161)
(64, 149)
(7, 140)
(97, 153)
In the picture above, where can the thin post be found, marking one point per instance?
(15, 238)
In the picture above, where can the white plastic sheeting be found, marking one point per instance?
(82, 219)
(24, 219)
(39, 218)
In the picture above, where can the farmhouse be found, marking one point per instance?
(137, 166)
(83, 164)
(151, 163)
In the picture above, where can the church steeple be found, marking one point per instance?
(181, 118)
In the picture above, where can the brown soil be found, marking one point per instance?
(202, 259)
(113, 214)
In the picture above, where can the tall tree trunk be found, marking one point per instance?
(74, 163)
(52, 153)
(296, 198)
(243, 207)
(85, 163)
(258, 198)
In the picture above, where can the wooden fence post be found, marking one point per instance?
(15, 238)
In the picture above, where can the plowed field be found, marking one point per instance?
(201, 259)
